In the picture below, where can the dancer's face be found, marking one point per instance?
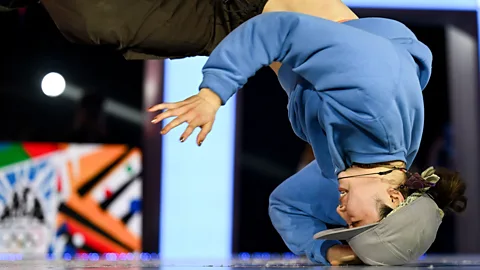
(362, 197)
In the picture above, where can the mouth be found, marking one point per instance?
(354, 224)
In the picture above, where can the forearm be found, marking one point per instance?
(263, 40)
(253, 45)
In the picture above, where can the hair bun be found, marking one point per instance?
(449, 192)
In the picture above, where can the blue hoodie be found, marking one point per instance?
(355, 94)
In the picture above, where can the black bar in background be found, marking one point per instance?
(237, 179)
(152, 143)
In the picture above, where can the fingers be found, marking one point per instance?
(168, 106)
(162, 106)
(169, 113)
(176, 122)
(204, 132)
(195, 110)
(188, 131)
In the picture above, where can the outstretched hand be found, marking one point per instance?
(198, 111)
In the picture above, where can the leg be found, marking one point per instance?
(231, 14)
(159, 28)
(146, 29)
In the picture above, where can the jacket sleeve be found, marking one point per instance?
(302, 206)
(264, 39)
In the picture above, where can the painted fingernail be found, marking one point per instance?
(182, 139)
(154, 121)
(200, 143)
(162, 132)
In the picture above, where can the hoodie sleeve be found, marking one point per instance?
(302, 206)
(267, 38)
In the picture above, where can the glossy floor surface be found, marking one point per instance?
(432, 262)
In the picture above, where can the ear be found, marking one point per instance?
(395, 196)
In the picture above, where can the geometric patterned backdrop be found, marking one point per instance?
(70, 198)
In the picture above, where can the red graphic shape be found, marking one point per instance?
(108, 194)
(59, 183)
(90, 240)
(38, 149)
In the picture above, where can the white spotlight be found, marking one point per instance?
(53, 84)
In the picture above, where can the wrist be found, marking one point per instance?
(211, 97)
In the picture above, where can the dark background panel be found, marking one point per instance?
(31, 48)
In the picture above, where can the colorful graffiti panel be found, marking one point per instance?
(70, 198)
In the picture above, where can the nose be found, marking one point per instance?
(342, 212)
(342, 209)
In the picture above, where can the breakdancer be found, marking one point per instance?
(355, 94)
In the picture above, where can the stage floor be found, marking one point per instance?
(432, 262)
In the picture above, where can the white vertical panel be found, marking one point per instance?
(197, 182)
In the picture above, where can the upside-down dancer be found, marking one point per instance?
(354, 89)
(355, 94)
